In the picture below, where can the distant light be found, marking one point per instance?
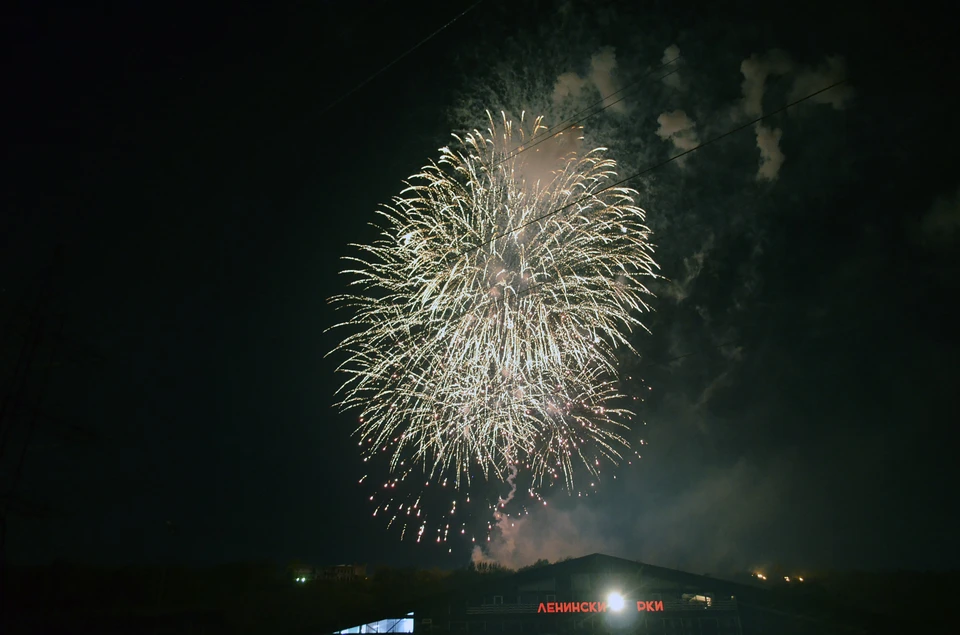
(615, 601)
(786, 578)
(801, 579)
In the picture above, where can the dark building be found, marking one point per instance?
(330, 573)
(601, 594)
(342, 572)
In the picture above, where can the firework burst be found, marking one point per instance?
(486, 318)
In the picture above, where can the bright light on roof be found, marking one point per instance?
(615, 601)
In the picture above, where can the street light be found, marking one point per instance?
(615, 601)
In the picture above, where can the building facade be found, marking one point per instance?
(600, 594)
(596, 594)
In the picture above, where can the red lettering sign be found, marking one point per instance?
(646, 606)
(655, 605)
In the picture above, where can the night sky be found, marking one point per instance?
(205, 173)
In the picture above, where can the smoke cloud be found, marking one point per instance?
(569, 86)
(712, 525)
(702, 498)
(549, 534)
(671, 61)
(810, 80)
(678, 128)
(771, 157)
(940, 225)
(601, 79)
(681, 288)
(603, 65)
(757, 69)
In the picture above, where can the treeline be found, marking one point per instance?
(255, 598)
(900, 593)
(236, 598)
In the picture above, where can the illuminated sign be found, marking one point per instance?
(572, 607)
(594, 607)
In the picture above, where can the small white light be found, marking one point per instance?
(615, 601)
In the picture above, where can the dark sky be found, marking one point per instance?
(204, 193)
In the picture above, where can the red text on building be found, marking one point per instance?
(594, 607)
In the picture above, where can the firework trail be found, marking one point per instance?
(479, 349)
(512, 482)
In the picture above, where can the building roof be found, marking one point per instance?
(815, 608)
(596, 562)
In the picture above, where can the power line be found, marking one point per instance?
(564, 126)
(633, 84)
(664, 362)
(651, 168)
(390, 65)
